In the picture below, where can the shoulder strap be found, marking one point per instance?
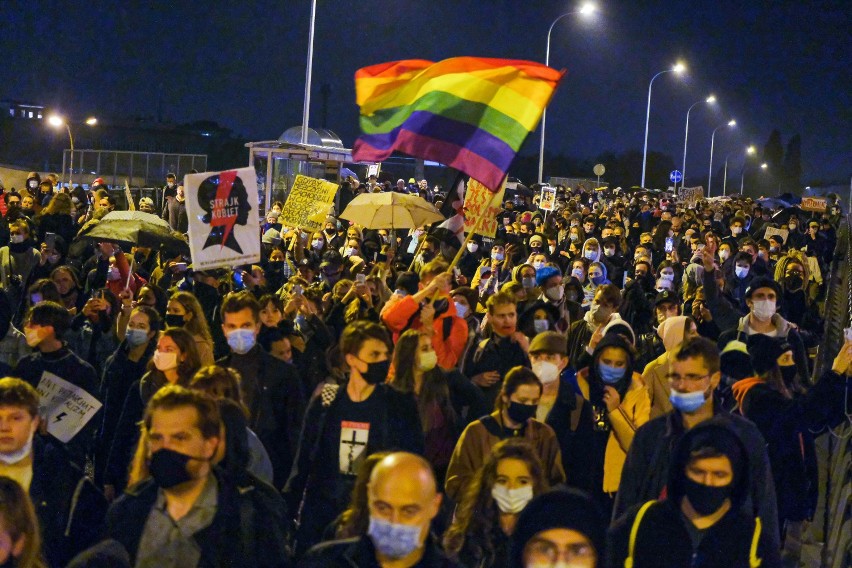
(634, 530)
(448, 327)
(577, 412)
(753, 560)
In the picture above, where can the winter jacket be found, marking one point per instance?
(661, 539)
(360, 553)
(645, 473)
(247, 531)
(174, 213)
(448, 344)
(499, 354)
(69, 507)
(475, 444)
(571, 419)
(672, 332)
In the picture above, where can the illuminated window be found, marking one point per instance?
(11, 112)
(31, 114)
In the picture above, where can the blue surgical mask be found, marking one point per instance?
(136, 337)
(241, 341)
(528, 282)
(393, 539)
(461, 309)
(687, 401)
(611, 375)
(541, 325)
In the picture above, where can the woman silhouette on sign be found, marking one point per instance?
(224, 200)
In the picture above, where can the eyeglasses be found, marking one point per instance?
(546, 553)
(675, 378)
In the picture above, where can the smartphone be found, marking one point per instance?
(50, 240)
(669, 244)
(238, 278)
(297, 289)
(99, 294)
(360, 278)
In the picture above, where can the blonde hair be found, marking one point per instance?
(18, 518)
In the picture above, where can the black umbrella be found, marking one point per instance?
(782, 216)
(134, 228)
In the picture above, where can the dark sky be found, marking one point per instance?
(779, 64)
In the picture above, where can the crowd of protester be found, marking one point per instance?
(625, 381)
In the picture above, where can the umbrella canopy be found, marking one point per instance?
(783, 216)
(134, 228)
(390, 210)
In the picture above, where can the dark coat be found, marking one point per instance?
(360, 553)
(662, 540)
(58, 223)
(572, 420)
(645, 473)
(70, 508)
(247, 531)
(494, 354)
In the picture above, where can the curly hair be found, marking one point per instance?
(477, 518)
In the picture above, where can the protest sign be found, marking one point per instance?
(783, 233)
(481, 207)
(65, 408)
(373, 170)
(131, 205)
(689, 196)
(308, 204)
(548, 198)
(223, 218)
(818, 204)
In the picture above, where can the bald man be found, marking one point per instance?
(403, 499)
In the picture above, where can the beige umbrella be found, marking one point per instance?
(390, 210)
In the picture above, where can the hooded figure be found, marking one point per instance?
(592, 250)
(672, 332)
(701, 521)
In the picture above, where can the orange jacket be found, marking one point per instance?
(449, 349)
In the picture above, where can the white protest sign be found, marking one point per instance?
(548, 198)
(481, 205)
(308, 203)
(64, 407)
(783, 233)
(689, 196)
(223, 218)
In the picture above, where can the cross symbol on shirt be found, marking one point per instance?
(352, 444)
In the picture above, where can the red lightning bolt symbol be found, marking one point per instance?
(223, 191)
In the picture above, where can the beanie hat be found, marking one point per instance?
(271, 237)
(544, 273)
(764, 351)
(560, 508)
(736, 361)
(549, 342)
(471, 295)
(620, 327)
(763, 282)
(408, 281)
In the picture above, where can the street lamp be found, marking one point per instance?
(677, 69)
(57, 121)
(750, 151)
(763, 166)
(587, 9)
(709, 100)
(731, 123)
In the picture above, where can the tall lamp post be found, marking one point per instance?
(678, 69)
(750, 151)
(586, 10)
(58, 122)
(306, 108)
(709, 100)
(731, 123)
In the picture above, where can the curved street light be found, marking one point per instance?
(709, 100)
(750, 151)
(587, 9)
(677, 69)
(730, 124)
(57, 121)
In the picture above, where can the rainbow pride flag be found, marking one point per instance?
(470, 113)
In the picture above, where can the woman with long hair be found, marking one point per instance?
(20, 538)
(485, 518)
(416, 371)
(56, 218)
(68, 283)
(184, 311)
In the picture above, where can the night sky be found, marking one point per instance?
(782, 64)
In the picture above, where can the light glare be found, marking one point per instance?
(751, 150)
(587, 8)
(763, 166)
(711, 99)
(54, 120)
(91, 121)
(732, 122)
(679, 68)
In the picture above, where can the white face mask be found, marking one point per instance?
(546, 371)
(552, 249)
(554, 293)
(538, 264)
(724, 254)
(591, 254)
(164, 361)
(540, 325)
(736, 230)
(16, 239)
(472, 247)
(497, 256)
(348, 251)
(578, 274)
(317, 244)
(512, 500)
(741, 271)
(609, 251)
(763, 309)
(114, 273)
(667, 277)
(427, 361)
(11, 458)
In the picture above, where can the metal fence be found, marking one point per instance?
(141, 168)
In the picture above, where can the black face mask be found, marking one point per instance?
(174, 320)
(793, 282)
(788, 373)
(377, 373)
(520, 413)
(705, 499)
(168, 468)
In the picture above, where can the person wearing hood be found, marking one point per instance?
(762, 299)
(13, 344)
(788, 416)
(797, 304)
(597, 277)
(471, 257)
(563, 527)
(524, 274)
(693, 377)
(672, 331)
(613, 260)
(620, 405)
(584, 335)
(701, 521)
(549, 280)
(17, 261)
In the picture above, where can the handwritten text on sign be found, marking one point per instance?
(66, 408)
(482, 206)
(308, 203)
(814, 204)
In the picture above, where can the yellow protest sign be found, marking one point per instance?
(482, 205)
(818, 204)
(308, 203)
